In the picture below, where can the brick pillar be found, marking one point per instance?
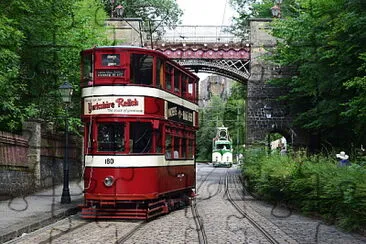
(32, 132)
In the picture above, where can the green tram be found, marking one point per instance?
(222, 150)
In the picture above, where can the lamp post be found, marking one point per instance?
(119, 11)
(66, 91)
(268, 112)
(276, 9)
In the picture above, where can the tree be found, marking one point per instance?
(45, 38)
(325, 43)
(210, 118)
(219, 112)
(234, 114)
(248, 9)
(356, 107)
(154, 13)
(11, 40)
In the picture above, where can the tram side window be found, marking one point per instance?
(168, 77)
(159, 73)
(184, 85)
(141, 68)
(177, 144)
(190, 87)
(184, 147)
(87, 67)
(190, 151)
(111, 137)
(89, 137)
(176, 81)
(168, 146)
(140, 137)
(158, 141)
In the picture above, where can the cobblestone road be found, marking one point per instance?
(218, 221)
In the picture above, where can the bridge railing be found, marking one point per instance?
(199, 34)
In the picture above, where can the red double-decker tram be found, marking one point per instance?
(140, 119)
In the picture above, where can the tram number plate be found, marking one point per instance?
(109, 161)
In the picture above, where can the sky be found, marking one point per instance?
(206, 12)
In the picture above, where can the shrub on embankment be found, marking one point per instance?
(314, 185)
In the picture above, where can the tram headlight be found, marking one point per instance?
(108, 181)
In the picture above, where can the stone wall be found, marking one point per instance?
(125, 32)
(52, 158)
(15, 182)
(263, 97)
(35, 159)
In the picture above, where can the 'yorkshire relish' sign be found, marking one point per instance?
(113, 105)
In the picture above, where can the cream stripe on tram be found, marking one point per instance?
(136, 91)
(124, 161)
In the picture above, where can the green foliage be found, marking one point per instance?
(229, 113)
(314, 185)
(11, 41)
(323, 42)
(210, 118)
(248, 9)
(154, 13)
(234, 115)
(356, 106)
(41, 41)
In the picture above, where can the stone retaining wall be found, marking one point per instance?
(34, 160)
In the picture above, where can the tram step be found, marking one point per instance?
(113, 213)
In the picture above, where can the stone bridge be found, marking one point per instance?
(212, 49)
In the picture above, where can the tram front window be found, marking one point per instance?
(87, 67)
(223, 146)
(111, 137)
(140, 137)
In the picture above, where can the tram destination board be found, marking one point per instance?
(110, 73)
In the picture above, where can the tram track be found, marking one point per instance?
(204, 178)
(247, 195)
(56, 232)
(242, 212)
(224, 213)
(200, 229)
(129, 234)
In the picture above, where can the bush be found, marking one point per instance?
(314, 185)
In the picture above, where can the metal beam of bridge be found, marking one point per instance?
(191, 34)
